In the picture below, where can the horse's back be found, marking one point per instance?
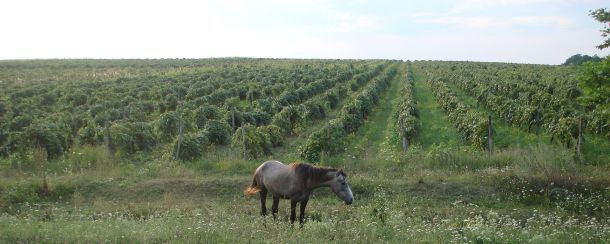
(273, 164)
(276, 177)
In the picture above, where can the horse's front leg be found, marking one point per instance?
(303, 206)
(293, 214)
(263, 194)
(274, 207)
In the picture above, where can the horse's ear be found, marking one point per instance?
(340, 172)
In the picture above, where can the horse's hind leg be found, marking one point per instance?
(263, 194)
(303, 206)
(274, 207)
(293, 214)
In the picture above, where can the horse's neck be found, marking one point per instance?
(313, 184)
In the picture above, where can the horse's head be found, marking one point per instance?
(340, 187)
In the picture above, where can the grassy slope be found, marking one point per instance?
(168, 201)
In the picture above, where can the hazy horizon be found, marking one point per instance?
(514, 31)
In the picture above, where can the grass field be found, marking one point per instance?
(441, 190)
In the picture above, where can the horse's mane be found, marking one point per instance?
(311, 172)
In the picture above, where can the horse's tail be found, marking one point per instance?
(252, 189)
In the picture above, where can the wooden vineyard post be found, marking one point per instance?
(490, 140)
(290, 124)
(180, 130)
(405, 142)
(243, 138)
(580, 141)
(233, 118)
(107, 139)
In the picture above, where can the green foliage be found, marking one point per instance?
(48, 136)
(252, 140)
(313, 110)
(218, 132)
(2, 109)
(20, 122)
(205, 113)
(595, 82)
(273, 133)
(121, 137)
(167, 126)
(287, 119)
(406, 116)
(602, 15)
(131, 137)
(151, 91)
(90, 135)
(578, 59)
(468, 121)
(192, 146)
(329, 139)
(169, 103)
(143, 135)
(22, 193)
(526, 96)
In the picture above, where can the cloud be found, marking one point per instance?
(465, 5)
(348, 22)
(482, 22)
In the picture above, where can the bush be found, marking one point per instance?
(48, 136)
(143, 136)
(261, 118)
(121, 138)
(218, 132)
(254, 141)
(90, 135)
(313, 110)
(332, 99)
(192, 146)
(274, 134)
(287, 119)
(168, 125)
(206, 113)
(329, 140)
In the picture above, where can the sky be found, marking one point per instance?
(518, 31)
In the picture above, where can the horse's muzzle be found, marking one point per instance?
(349, 202)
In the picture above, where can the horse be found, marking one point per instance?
(296, 182)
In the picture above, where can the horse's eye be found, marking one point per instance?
(342, 183)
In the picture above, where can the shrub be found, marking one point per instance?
(254, 141)
(206, 113)
(287, 119)
(121, 137)
(332, 99)
(168, 125)
(90, 135)
(261, 118)
(312, 110)
(329, 140)
(143, 136)
(47, 136)
(274, 133)
(218, 132)
(192, 146)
